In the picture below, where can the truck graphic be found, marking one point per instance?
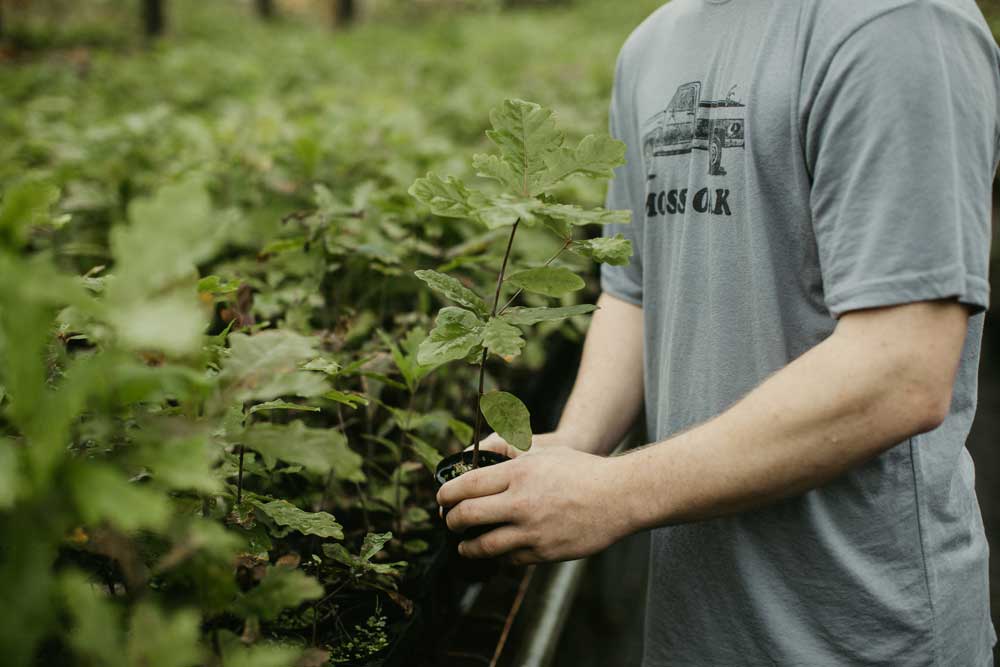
(690, 123)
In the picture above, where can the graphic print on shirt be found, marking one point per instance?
(691, 123)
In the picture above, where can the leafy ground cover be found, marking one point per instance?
(216, 435)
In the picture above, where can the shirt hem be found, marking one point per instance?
(949, 282)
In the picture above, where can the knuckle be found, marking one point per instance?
(488, 546)
(454, 519)
(475, 480)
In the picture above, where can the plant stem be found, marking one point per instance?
(547, 262)
(482, 362)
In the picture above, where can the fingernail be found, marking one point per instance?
(461, 548)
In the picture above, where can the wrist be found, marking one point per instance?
(565, 436)
(557, 438)
(644, 497)
(626, 496)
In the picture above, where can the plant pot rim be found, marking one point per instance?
(486, 458)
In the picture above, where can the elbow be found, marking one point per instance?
(927, 397)
(930, 409)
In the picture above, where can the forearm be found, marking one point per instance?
(840, 404)
(608, 393)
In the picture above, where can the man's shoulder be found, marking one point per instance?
(830, 19)
(837, 20)
(652, 30)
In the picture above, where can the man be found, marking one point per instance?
(810, 184)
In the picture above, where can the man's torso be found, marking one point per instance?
(884, 566)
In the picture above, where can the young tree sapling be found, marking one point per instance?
(532, 159)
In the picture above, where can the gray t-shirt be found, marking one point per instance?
(790, 161)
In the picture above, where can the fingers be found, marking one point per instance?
(494, 543)
(475, 484)
(478, 512)
(494, 443)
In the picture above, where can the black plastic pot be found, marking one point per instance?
(465, 568)
(445, 471)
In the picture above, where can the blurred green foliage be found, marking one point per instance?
(213, 422)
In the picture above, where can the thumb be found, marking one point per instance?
(494, 443)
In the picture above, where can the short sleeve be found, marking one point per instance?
(901, 143)
(625, 282)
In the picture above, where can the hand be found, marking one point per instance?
(494, 443)
(556, 503)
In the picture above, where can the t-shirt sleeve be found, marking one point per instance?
(625, 191)
(900, 137)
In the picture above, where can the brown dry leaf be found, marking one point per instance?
(290, 560)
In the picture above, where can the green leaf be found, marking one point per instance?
(452, 289)
(462, 431)
(24, 205)
(494, 167)
(532, 156)
(172, 323)
(447, 197)
(318, 450)
(508, 416)
(285, 514)
(238, 654)
(525, 133)
(323, 366)
(158, 639)
(404, 356)
(614, 250)
(505, 210)
(209, 537)
(577, 216)
(151, 297)
(527, 316)
(281, 405)
(416, 547)
(349, 398)
(456, 333)
(429, 456)
(502, 338)
(168, 235)
(595, 156)
(361, 564)
(269, 364)
(281, 588)
(96, 633)
(102, 493)
(373, 543)
(547, 280)
(180, 463)
(217, 285)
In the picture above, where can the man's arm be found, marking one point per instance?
(608, 393)
(883, 376)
